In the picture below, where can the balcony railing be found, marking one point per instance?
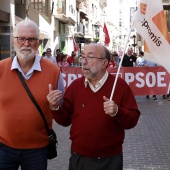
(80, 28)
(65, 13)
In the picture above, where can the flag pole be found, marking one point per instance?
(126, 42)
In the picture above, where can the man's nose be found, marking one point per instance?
(26, 43)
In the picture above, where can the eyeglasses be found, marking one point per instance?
(22, 40)
(89, 59)
(48, 51)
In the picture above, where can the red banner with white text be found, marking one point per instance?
(142, 80)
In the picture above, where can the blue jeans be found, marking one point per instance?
(28, 159)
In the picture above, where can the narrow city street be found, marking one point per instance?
(50, 44)
(146, 146)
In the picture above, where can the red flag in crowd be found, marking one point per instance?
(107, 38)
(76, 48)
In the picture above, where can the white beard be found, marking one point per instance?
(26, 55)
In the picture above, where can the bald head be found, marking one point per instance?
(99, 50)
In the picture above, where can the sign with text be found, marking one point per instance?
(142, 80)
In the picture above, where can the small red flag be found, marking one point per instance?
(76, 48)
(107, 38)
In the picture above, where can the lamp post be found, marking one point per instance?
(134, 42)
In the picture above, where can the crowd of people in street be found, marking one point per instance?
(138, 60)
(130, 59)
(61, 59)
(98, 123)
(73, 60)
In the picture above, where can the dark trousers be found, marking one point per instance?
(28, 159)
(78, 162)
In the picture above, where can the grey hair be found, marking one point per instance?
(26, 23)
(107, 54)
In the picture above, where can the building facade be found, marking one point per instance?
(58, 20)
(61, 20)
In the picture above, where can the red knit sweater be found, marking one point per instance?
(93, 133)
(21, 125)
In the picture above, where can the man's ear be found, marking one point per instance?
(105, 63)
(12, 40)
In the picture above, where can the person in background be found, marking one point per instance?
(63, 62)
(44, 54)
(148, 63)
(70, 58)
(23, 136)
(49, 56)
(129, 60)
(75, 62)
(168, 96)
(135, 54)
(58, 55)
(97, 123)
(140, 59)
(114, 60)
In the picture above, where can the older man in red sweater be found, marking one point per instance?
(97, 123)
(70, 58)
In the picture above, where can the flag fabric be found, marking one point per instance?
(150, 23)
(75, 46)
(107, 38)
(120, 52)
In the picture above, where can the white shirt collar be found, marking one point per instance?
(36, 66)
(98, 85)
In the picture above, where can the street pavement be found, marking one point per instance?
(146, 147)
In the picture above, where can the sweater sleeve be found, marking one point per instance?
(128, 112)
(63, 115)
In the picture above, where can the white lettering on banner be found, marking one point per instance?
(129, 77)
(151, 79)
(64, 75)
(138, 77)
(142, 80)
(161, 76)
(70, 78)
(151, 76)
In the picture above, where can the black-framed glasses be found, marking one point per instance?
(48, 51)
(89, 59)
(22, 40)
